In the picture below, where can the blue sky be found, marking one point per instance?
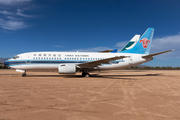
(89, 25)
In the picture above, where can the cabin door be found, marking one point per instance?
(130, 61)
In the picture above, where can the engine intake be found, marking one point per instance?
(67, 69)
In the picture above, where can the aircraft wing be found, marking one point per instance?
(99, 62)
(151, 55)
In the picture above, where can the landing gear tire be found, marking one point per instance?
(24, 75)
(87, 75)
(84, 74)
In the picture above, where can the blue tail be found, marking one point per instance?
(143, 45)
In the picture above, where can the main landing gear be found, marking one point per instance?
(85, 74)
(24, 74)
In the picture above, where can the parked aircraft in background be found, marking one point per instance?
(134, 53)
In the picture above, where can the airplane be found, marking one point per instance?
(137, 51)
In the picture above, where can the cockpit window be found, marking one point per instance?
(15, 57)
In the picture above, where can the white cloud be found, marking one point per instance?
(14, 17)
(19, 12)
(12, 2)
(5, 12)
(167, 43)
(12, 25)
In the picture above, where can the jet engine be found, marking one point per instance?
(67, 69)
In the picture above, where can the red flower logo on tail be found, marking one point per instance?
(145, 42)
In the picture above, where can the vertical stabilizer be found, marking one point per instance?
(143, 45)
(131, 43)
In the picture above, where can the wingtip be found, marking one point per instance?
(171, 50)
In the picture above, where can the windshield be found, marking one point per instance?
(15, 57)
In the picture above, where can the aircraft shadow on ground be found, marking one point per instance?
(96, 76)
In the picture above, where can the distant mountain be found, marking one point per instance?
(2, 60)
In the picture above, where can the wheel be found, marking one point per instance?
(83, 74)
(24, 75)
(87, 75)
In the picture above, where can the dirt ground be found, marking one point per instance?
(110, 95)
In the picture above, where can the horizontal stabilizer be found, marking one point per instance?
(151, 55)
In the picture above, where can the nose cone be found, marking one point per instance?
(6, 63)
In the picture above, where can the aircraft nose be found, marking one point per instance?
(6, 63)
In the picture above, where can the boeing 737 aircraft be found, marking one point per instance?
(134, 53)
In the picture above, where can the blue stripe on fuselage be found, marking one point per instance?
(30, 62)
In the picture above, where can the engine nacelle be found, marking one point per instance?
(67, 69)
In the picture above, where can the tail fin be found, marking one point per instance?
(131, 43)
(143, 45)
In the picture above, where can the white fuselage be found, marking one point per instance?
(49, 61)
